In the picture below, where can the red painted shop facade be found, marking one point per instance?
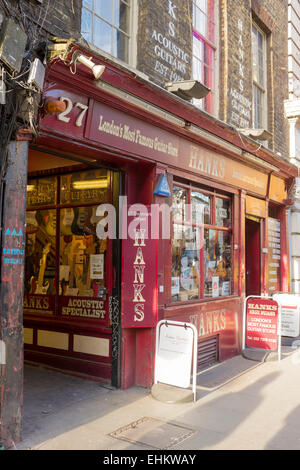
(219, 231)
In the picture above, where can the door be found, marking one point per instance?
(253, 260)
(72, 288)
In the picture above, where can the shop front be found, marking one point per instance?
(137, 211)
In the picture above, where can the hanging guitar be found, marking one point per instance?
(39, 287)
(77, 247)
(84, 283)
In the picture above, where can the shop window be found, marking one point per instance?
(64, 255)
(40, 258)
(41, 192)
(217, 263)
(201, 244)
(204, 49)
(107, 25)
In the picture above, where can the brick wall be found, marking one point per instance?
(60, 18)
(165, 40)
(236, 61)
(164, 49)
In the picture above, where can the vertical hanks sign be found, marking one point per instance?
(261, 323)
(139, 277)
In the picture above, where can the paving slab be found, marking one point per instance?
(240, 405)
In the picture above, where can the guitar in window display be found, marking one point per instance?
(38, 287)
(84, 282)
(75, 256)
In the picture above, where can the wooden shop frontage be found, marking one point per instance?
(121, 146)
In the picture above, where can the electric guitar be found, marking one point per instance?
(38, 287)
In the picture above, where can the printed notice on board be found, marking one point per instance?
(274, 255)
(97, 266)
(262, 323)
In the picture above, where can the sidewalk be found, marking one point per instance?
(241, 404)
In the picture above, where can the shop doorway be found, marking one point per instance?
(72, 275)
(252, 256)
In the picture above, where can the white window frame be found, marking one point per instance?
(132, 31)
(260, 86)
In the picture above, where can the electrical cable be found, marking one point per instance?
(9, 113)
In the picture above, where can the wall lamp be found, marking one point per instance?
(96, 69)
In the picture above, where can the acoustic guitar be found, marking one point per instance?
(39, 287)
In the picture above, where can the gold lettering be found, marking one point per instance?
(139, 259)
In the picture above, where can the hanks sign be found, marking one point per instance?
(262, 321)
(139, 279)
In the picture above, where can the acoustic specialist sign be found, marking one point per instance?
(139, 274)
(261, 328)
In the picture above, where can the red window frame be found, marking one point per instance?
(213, 194)
(208, 52)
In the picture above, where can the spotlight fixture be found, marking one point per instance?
(96, 69)
(188, 89)
(256, 134)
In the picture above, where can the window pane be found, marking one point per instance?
(40, 254)
(180, 200)
(120, 45)
(201, 208)
(217, 263)
(203, 62)
(85, 187)
(260, 54)
(254, 54)
(79, 249)
(87, 3)
(185, 263)
(203, 19)
(200, 22)
(198, 70)
(202, 4)
(197, 47)
(41, 192)
(105, 24)
(103, 8)
(223, 212)
(257, 108)
(86, 25)
(258, 66)
(121, 16)
(102, 35)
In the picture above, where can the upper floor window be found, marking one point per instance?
(106, 24)
(204, 48)
(259, 75)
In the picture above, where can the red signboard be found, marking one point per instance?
(84, 307)
(97, 122)
(139, 275)
(262, 323)
(72, 121)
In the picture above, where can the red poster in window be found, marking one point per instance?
(139, 274)
(262, 323)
